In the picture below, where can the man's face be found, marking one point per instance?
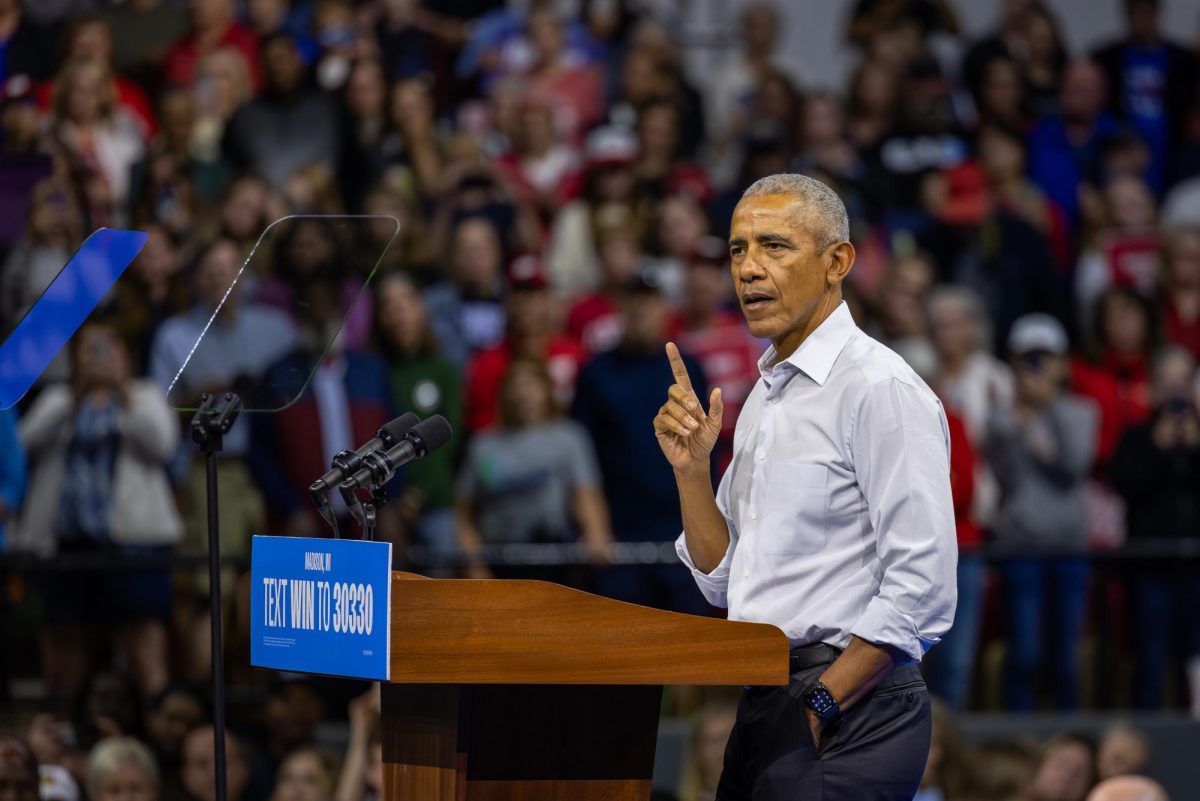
(282, 66)
(1141, 17)
(645, 316)
(1082, 92)
(198, 772)
(759, 29)
(530, 312)
(780, 272)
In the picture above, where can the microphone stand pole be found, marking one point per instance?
(210, 424)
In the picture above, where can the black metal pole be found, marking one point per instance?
(210, 424)
(217, 622)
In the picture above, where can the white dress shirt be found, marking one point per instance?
(838, 499)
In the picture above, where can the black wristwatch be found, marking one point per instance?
(821, 701)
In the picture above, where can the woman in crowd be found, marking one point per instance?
(607, 201)
(424, 382)
(306, 774)
(102, 140)
(1000, 100)
(532, 480)
(99, 447)
(1179, 293)
(53, 230)
(364, 126)
(153, 289)
(1067, 770)
(1117, 376)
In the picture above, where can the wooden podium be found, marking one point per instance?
(531, 691)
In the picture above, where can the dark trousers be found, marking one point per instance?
(875, 752)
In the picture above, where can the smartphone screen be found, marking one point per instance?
(64, 305)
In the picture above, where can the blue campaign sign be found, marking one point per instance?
(321, 606)
(63, 306)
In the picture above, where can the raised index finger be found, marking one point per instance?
(678, 368)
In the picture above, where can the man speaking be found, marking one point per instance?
(833, 522)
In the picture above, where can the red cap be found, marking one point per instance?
(527, 272)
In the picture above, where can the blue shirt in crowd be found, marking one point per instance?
(617, 396)
(1058, 166)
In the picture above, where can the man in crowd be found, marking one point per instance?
(613, 396)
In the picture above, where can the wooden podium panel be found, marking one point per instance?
(472, 631)
(506, 742)
(530, 691)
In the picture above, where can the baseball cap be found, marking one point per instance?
(610, 145)
(1038, 332)
(527, 273)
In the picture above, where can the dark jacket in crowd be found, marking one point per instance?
(1161, 487)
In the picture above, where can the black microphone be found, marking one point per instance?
(380, 465)
(348, 462)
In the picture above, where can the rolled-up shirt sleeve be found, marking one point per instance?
(900, 444)
(713, 586)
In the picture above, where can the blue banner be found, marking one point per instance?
(321, 606)
(63, 306)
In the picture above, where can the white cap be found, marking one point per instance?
(1038, 332)
(611, 143)
(56, 784)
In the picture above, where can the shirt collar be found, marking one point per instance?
(817, 353)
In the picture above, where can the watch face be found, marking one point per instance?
(822, 702)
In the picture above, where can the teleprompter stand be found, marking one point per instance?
(210, 424)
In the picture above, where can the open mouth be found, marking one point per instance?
(753, 301)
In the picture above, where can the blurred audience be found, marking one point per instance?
(547, 187)
(706, 757)
(99, 486)
(122, 769)
(1156, 468)
(617, 391)
(1123, 751)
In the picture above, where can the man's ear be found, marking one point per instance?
(841, 259)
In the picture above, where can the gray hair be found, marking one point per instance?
(826, 212)
(968, 302)
(113, 753)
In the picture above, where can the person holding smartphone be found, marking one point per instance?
(1042, 449)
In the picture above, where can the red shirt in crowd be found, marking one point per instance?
(1185, 333)
(485, 375)
(184, 56)
(729, 357)
(1120, 386)
(962, 484)
(130, 97)
(594, 323)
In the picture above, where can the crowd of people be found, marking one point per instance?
(539, 194)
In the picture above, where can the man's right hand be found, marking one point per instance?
(685, 432)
